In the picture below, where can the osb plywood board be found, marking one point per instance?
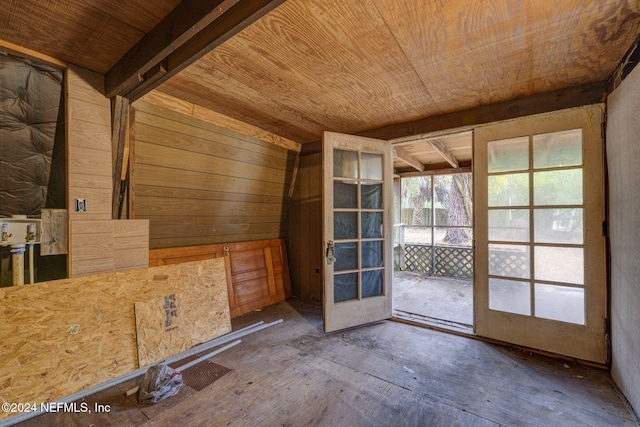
(176, 322)
(63, 336)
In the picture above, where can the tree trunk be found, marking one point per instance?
(458, 212)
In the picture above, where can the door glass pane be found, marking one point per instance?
(510, 296)
(453, 236)
(559, 226)
(453, 199)
(510, 225)
(345, 225)
(557, 149)
(371, 196)
(345, 287)
(558, 187)
(345, 164)
(510, 261)
(372, 254)
(509, 190)
(508, 155)
(559, 264)
(371, 225)
(372, 283)
(345, 195)
(560, 303)
(346, 256)
(371, 166)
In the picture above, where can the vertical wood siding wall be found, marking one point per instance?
(199, 183)
(97, 243)
(305, 230)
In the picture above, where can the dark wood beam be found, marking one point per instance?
(438, 169)
(190, 31)
(177, 28)
(575, 96)
(408, 159)
(148, 79)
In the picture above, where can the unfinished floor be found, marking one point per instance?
(384, 374)
(437, 301)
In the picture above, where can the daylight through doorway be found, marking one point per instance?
(433, 278)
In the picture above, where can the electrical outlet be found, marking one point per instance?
(81, 205)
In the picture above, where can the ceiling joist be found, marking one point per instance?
(442, 150)
(408, 159)
(190, 31)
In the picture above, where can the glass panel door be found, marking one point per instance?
(357, 199)
(539, 267)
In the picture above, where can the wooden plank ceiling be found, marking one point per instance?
(352, 66)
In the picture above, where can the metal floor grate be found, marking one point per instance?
(203, 374)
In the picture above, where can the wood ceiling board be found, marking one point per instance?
(68, 30)
(317, 58)
(223, 94)
(479, 53)
(140, 14)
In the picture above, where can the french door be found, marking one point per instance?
(539, 249)
(357, 206)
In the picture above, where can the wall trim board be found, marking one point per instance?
(178, 105)
(26, 52)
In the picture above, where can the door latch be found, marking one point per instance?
(330, 254)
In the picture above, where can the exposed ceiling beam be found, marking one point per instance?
(190, 31)
(186, 20)
(439, 146)
(576, 96)
(408, 159)
(439, 169)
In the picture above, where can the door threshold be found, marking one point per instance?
(433, 322)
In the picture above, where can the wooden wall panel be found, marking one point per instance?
(89, 145)
(98, 244)
(623, 152)
(257, 272)
(195, 110)
(63, 336)
(305, 230)
(199, 183)
(110, 245)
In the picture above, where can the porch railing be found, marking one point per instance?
(440, 260)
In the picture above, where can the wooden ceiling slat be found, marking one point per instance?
(407, 158)
(69, 31)
(317, 57)
(142, 15)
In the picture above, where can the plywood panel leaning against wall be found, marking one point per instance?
(63, 336)
(199, 183)
(257, 272)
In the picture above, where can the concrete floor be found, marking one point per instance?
(442, 301)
